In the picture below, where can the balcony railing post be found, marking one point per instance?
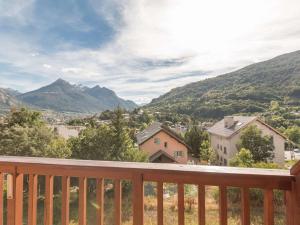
(293, 197)
(138, 199)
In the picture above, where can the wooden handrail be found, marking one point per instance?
(138, 173)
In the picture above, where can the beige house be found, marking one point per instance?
(225, 135)
(162, 144)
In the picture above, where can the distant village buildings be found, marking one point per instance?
(162, 144)
(225, 135)
(67, 131)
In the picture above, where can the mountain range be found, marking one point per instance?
(61, 96)
(247, 90)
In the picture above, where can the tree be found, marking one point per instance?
(293, 133)
(261, 147)
(194, 138)
(243, 158)
(25, 134)
(107, 142)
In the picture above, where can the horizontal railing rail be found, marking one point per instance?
(13, 170)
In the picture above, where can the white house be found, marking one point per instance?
(225, 135)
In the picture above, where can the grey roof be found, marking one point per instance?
(159, 153)
(148, 132)
(239, 123)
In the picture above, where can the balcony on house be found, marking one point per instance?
(19, 180)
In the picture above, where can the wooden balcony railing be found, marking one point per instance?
(13, 169)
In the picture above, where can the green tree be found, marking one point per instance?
(194, 138)
(25, 134)
(243, 158)
(261, 147)
(107, 142)
(293, 133)
(274, 106)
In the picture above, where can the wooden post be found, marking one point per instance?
(32, 199)
(201, 204)
(138, 199)
(160, 203)
(245, 206)
(118, 202)
(268, 207)
(223, 205)
(48, 206)
(100, 201)
(65, 198)
(293, 197)
(82, 200)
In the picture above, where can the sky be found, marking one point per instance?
(139, 48)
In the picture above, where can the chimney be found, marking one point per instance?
(228, 121)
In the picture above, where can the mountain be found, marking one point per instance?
(7, 100)
(63, 97)
(247, 90)
(109, 98)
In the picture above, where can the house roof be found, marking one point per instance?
(155, 128)
(159, 153)
(240, 122)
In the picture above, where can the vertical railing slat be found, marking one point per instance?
(201, 204)
(1, 198)
(10, 199)
(48, 208)
(118, 202)
(223, 205)
(268, 207)
(245, 203)
(65, 199)
(180, 204)
(32, 199)
(19, 199)
(138, 199)
(100, 201)
(82, 200)
(160, 203)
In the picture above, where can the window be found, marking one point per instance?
(218, 146)
(178, 154)
(157, 141)
(225, 162)
(225, 150)
(221, 148)
(166, 144)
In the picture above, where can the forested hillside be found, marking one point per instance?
(248, 90)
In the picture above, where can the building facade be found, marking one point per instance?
(162, 144)
(225, 135)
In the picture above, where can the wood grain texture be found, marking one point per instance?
(245, 211)
(201, 204)
(48, 206)
(82, 200)
(138, 199)
(268, 207)
(32, 199)
(223, 205)
(65, 200)
(180, 204)
(118, 202)
(100, 201)
(160, 203)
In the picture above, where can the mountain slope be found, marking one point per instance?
(63, 97)
(247, 90)
(7, 100)
(109, 98)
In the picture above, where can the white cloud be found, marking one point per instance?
(213, 35)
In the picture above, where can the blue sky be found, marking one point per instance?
(139, 48)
